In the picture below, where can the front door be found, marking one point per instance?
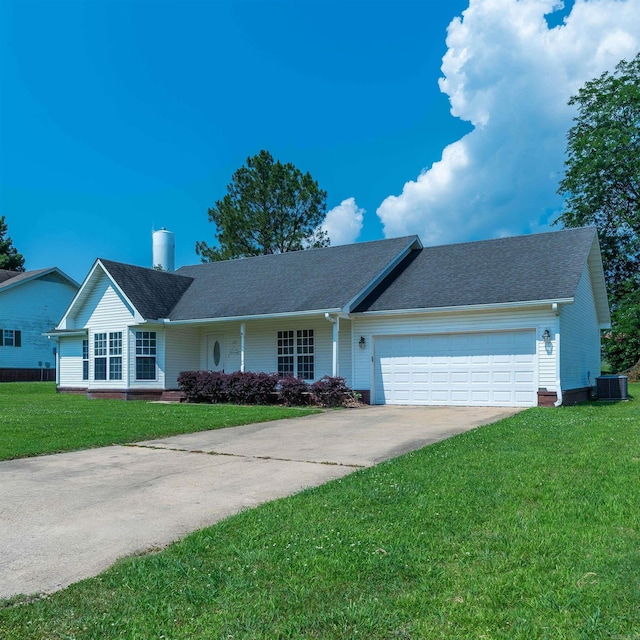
(215, 352)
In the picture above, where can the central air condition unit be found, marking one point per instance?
(611, 387)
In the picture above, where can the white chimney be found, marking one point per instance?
(164, 248)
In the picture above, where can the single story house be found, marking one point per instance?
(31, 302)
(505, 322)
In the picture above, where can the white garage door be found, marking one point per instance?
(470, 369)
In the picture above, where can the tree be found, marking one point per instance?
(602, 179)
(10, 259)
(622, 344)
(270, 207)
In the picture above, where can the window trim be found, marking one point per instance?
(295, 353)
(146, 348)
(16, 337)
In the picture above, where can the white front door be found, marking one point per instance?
(215, 352)
(470, 369)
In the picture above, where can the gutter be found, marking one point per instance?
(469, 307)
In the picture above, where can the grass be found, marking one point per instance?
(525, 529)
(34, 420)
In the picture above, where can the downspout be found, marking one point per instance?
(242, 327)
(336, 327)
(558, 402)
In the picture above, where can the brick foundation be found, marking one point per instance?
(576, 396)
(125, 394)
(74, 390)
(27, 375)
(569, 397)
(546, 398)
(365, 395)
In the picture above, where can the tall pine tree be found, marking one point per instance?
(10, 259)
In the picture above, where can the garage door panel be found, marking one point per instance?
(481, 369)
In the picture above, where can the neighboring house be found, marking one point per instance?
(506, 322)
(30, 304)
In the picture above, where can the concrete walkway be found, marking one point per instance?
(69, 516)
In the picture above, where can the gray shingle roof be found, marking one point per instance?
(153, 293)
(13, 278)
(314, 279)
(545, 266)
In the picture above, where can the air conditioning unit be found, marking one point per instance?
(611, 387)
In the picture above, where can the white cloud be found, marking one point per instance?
(511, 76)
(344, 222)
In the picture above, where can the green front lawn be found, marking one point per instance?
(34, 420)
(525, 529)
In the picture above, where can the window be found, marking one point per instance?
(146, 348)
(85, 359)
(115, 355)
(296, 354)
(10, 338)
(107, 356)
(100, 356)
(285, 353)
(304, 340)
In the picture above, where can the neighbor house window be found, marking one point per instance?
(146, 346)
(115, 355)
(10, 338)
(296, 354)
(100, 356)
(85, 359)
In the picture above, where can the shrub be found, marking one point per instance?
(294, 392)
(331, 392)
(263, 388)
(237, 387)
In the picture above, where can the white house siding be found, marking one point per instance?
(182, 352)
(439, 323)
(32, 308)
(261, 345)
(70, 363)
(103, 311)
(580, 338)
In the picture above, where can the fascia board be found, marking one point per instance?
(266, 316)
(464, 308)
(362, 294)
(596, 272)
(64, 334)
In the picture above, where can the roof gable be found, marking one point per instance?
(10, 279)
(532, 268)
(299, 281)
(152, 293)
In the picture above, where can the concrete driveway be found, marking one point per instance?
(69, 516)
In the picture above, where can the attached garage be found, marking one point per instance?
(493, 368)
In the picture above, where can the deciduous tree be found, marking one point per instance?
(602, 179)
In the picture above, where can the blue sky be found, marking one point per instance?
(442, 118)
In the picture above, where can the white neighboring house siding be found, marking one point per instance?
(580, 338)
(32, 308)
(454, 322)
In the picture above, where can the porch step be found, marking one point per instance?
(172, 396)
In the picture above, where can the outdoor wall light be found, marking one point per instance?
(362, 342)
(546, 336)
